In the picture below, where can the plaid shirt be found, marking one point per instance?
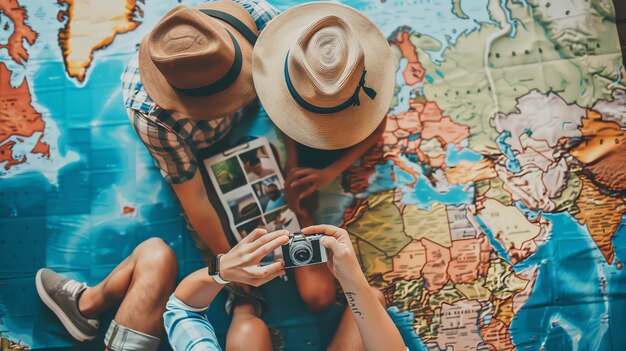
(172, 138)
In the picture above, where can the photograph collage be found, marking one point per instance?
(250, 186)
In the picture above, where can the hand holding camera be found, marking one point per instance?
(242, 263)
(303, 250)
(314, 245)
(342, 260)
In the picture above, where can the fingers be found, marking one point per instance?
(257, 233)
(261, 281)
(264, 274)
(265, 238)
(325, 229)
(304, 180)
(299, 172)
(331, 244)
(277, 240)
(308, 192)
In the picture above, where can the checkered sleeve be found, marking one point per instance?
(187, 328)
(171, 153)
(262, 11)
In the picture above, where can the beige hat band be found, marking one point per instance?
(233, 73)
(352, 101)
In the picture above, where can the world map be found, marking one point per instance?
(491, 213)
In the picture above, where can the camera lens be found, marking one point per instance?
(301, 253)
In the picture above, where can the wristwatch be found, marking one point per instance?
(214, 269)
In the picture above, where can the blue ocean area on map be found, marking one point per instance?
(454, 155)
(403, 96)
(571, 268)
(420, 191)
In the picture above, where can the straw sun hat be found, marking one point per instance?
(197, 60)
(324, 73)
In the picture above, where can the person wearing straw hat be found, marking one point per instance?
(189, 83)
(191, 80)
(324, 74)
(327, 87)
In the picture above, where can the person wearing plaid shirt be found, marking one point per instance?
(189, 84)
(175, 135)
(172, 138)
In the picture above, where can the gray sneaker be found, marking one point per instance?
(61, 294)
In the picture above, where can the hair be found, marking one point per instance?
(253, 161)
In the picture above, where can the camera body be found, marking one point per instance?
(303, 250)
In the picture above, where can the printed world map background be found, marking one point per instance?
(491, 212)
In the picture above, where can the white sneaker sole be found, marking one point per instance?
(67, 323)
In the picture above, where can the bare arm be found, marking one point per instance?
(292, 154)
(193, 197)
(239, 265)
(377, 330)
(196, 292)
(356, 151)
(319, 178)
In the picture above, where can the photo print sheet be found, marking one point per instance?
(250, 186)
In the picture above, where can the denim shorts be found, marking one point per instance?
(120, 338)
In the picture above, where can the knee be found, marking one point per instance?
(379, 296)
(319, 296)
(247, 333)
(156, 260)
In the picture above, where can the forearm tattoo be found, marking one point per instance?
(351, 298)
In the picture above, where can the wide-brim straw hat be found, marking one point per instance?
(199, 65)
(325, 75)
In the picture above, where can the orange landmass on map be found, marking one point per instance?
(91, 26)
(602, 214)
(18, 119)
(465, 172)
(462, 263)
(603, 151)
(408, 263)
(414, 71)
(468, 259)
(497, 335)
(400, 136)
(435, 125)
(435, 271)
(21, 31)
(503, 310)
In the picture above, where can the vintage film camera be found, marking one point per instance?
(303, 250)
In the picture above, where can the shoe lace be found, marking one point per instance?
(72, 287)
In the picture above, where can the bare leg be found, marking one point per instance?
(143, 282)
(247, 331)
(347, 336)
(316, 284)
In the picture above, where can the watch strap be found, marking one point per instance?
(214, 270)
